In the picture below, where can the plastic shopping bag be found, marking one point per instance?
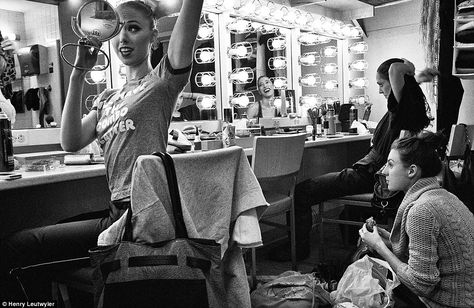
(291, 289)
(366, 283)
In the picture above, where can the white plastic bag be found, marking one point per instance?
(365, 284)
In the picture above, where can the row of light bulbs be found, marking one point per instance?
(243, 50)
(315, 100)
(280, 14)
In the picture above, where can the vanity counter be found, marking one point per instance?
(60, 174)
(78, 172)
(42, 198)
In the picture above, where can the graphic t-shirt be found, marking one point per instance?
(134, 120)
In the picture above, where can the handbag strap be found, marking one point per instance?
(180, 227)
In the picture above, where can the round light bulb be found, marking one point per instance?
(207, 80)
(207, 102)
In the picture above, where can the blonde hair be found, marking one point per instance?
(147, 7)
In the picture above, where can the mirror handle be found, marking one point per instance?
(99, 68)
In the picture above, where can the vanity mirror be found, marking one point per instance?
(97, 19)
(256, 50)
(36, 89)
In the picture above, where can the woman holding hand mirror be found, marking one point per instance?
(127, 122)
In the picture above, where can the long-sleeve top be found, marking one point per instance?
(433, 234)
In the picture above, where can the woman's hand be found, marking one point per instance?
(8, 45)
(86, 54)
(372, 239)
(426, 75)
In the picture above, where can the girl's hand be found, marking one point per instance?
(86, 54)
(7, 45)
(372, 239)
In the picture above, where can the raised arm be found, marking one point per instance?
(396, 75)
(77, 132)
(180, 49)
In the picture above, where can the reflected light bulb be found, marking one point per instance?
(276, 63)
(330, 85)
(359, 47)
(309, 59)
(330, 68)
(276, 43)
(311, 100)
(310, 80)
(241, 75)
(204, 55)
(206, 102)
(358, 65)
(205, 32)
(279, 82)
(359, 83)
(361, 100)
(242, 99)
(240, 50)
(329, 51)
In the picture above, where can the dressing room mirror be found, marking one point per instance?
(256, 50)
(34, 86)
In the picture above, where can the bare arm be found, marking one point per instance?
(77, 132)
(180, 49)
(396, 74)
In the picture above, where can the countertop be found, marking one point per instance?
(74, 172)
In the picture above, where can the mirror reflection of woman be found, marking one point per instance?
(127, 122)
(264, 108)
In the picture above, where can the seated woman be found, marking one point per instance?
(431, 245)
(264, 108)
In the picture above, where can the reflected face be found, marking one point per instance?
(396, 172)
(265, 87)
(132, 44)
(384, 85)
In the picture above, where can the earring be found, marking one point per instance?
(155, 45)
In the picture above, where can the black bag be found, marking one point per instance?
(462, 186)
(181, 272)
(385, 200)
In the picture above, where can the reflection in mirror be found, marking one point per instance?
(34, 83)
(320, 74)
(199, 101)
(256, 50)
(98, 19)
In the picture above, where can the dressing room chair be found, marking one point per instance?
(360, 200)
(64, 274)
(276, 161)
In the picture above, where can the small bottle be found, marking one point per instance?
(326, 127)
(283, 110)
(228, 135)
(6, 144)
(319, 128)
(331, 122)
(352, 115)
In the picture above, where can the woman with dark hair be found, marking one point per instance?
(265, 107)
(431, 245)
(408, 112)
(128, 122)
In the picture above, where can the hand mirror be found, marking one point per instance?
(98, 19)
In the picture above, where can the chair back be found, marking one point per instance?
(277, 155)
